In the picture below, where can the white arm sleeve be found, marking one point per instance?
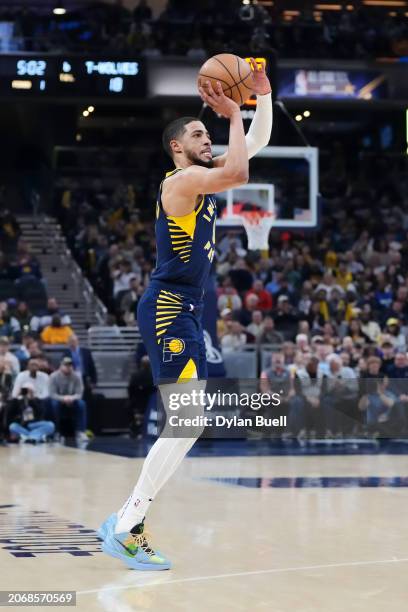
(260, 130)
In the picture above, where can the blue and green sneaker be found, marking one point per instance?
(134, 550)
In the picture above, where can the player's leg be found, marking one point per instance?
(174, 359)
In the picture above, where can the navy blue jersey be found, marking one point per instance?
(185, 245)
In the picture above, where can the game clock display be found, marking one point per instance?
(72, 76)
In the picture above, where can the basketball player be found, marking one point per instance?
(169, 313)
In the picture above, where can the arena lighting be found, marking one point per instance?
(85, 113)
(78, 137)
(385, 3)
(306, 114)
(298, 117)
(293, 13)
(59, 10)
(328, 7)
(246, 1)
(350, 7)
(91, 109)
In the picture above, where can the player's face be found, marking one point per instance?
(196, 143)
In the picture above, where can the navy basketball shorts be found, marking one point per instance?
(169, 319)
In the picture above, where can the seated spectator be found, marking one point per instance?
(256, 327)
(302, 343)
(23, 352)
(339, 396)
(82, 361)
(26, 265)
(229, 298)
(309, 390)
(224, 323)
(6, 384)
(23, 316)
(9, 326)
(130, 300)
(140, 392)
(38, 380)
(56, 333)
(38, 323)
(264, 297)
(250, 305)
(285, 318)
(393, 328)
(26, 417)
(376, 399)
(369, 325)
(269, 335)
(122, 274)
(387, 352)
(66, 390)
(9, 357)
(234, 339)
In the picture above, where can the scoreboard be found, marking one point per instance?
(72, 76)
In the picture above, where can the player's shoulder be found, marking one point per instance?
(186, 179)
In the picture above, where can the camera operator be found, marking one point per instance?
(26, 417)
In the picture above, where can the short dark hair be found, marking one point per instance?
(174, 130)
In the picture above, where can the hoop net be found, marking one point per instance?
(257, 226)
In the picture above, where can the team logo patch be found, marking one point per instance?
(172, 347)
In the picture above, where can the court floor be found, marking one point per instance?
(275, 533)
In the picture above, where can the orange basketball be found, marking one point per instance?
(234, 74)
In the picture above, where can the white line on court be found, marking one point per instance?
(278, 570)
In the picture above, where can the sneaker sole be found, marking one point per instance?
(143, 567)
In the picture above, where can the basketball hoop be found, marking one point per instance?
(257, 226)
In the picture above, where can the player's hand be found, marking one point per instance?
(217, 100)
(260, 82)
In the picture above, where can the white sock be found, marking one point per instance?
(162, 461)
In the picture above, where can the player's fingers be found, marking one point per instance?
(218, 89)
(209, 89)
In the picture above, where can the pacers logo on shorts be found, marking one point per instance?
(172, 347)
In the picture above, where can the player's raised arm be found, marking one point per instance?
(180, 191)
(260, 130)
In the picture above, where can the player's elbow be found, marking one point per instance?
(240, 176)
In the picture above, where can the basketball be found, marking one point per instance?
(234, 74)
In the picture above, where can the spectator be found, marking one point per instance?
(264, 297)
(310, 390)
(26, 417)
(256, 327)
(6, 383)
(9, 357)
(224, 323)
(285, 318)
(234, 339)
(269, 335)
(23, 352)
(130, 300)
(376, 400)
(122, 274)
(229, 298)
(9, 326)
(23, 316)
(339, 396)
(66, 390)
(56, 333)
(39, 322)
(140, 392)
(82, 361)
(38, 380)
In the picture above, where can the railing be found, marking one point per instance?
(57, 246)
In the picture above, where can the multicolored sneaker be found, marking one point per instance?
(133, 549)
(107, 526)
